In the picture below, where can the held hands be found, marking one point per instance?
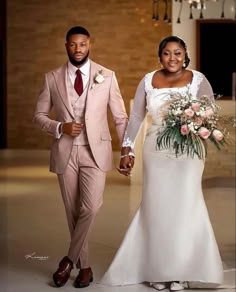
(72, 129)
(126, 165)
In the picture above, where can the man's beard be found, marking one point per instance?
(78, 63)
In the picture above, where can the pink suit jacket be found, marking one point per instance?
(54, 98)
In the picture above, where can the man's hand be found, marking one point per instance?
(126, 165)
(72, 129)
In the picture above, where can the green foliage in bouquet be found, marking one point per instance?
(189, 123)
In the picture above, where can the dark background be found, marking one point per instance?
(3, 135)
(216, 53)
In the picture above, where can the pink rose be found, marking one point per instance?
(204, 133)
(189, 112)
(195, 107)
(184, 130)
(217, 135)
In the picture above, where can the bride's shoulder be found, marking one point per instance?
(196, 73)
(148, 80)
(148, 77)
(150, 74)
(197, 76)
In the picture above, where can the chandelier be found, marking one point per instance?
(199, 5)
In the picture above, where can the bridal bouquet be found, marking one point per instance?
(189, 123)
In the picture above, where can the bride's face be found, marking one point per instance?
(172, 57)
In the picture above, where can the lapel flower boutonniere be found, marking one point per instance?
(98, 78)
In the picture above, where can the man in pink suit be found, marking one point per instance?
(81, 152)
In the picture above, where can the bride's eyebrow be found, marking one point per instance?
(178, 50)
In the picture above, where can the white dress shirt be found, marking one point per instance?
(85, 70)
(71, 69)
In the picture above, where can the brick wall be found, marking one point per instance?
(124, 38)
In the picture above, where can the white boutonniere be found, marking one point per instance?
(98, 78)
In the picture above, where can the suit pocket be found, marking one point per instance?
(105, 136)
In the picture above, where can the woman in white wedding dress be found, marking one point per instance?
(170, 241)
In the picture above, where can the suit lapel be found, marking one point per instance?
(94, 69)
(60, 78)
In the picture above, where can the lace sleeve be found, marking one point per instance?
(205, 88)
(137, 116)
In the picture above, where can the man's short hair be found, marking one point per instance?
(77, 30)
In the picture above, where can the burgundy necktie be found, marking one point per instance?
(78, 83)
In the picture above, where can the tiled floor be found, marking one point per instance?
(34, 234)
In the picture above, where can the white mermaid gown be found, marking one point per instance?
(170, 237)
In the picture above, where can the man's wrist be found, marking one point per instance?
(61, 129)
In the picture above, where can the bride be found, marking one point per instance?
(170, 242)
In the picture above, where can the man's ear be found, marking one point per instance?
(91, 41)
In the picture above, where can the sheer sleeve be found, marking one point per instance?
(137, 116)
(205, 89)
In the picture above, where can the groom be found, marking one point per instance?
(79, 94)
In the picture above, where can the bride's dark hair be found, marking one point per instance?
(178, 40)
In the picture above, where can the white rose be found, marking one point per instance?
(99, 78)
(191, 127)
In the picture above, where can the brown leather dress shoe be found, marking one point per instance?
(62, 274)
(84, 278)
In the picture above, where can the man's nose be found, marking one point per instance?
(78, 48)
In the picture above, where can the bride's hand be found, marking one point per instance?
(126, 165)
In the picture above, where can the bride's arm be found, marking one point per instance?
(205, 89)
(137, 116)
